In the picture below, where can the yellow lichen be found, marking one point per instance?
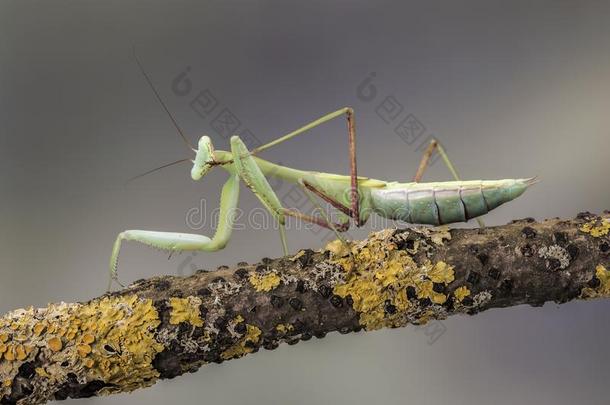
(110, 339)
(83, 350)
(264, 282)
(284, 328)
(439, 234)
(38, 329)
(55, 344)
(377, 277)
(425, 317)
(337, 248)
(20, 353)
(460, 293)
(425, 289)
(242, 347)
(597, 228)
(441, 272)
(42, 372)
(9, 355)
(88, 338)
(603, 289)
(435, 235)
(126, 326)
(185, 310)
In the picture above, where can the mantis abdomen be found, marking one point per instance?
(444, 202)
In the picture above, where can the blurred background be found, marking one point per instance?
(512, 89)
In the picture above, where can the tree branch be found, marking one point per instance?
(165, 326)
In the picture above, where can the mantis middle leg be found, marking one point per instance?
(173, 241)
(349, 113)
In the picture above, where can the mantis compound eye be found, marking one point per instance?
(203, 158)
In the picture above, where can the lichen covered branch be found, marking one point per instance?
(166, 326)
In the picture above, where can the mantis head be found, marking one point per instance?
(204, 158)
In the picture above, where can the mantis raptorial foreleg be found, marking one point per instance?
(251, 174)
(425, 160)
(174, 241)
(254, 178)
(349, 113)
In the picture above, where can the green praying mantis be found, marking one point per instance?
(355, 198)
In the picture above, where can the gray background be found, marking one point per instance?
(513, 89)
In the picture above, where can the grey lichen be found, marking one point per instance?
(556, 256)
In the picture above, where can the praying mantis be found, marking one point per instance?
(355, 197)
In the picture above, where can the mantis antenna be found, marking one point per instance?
(171, 117)
(157, 168)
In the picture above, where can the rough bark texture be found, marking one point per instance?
(166, 326)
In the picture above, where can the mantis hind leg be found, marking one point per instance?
(339, 227)
(425, 160)
(328, 222)
(173, 241)
(311, 192)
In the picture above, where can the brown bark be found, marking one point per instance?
(165, 326)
